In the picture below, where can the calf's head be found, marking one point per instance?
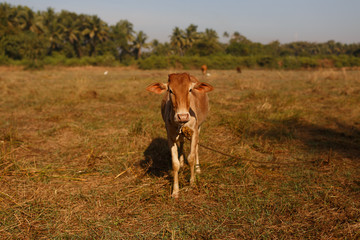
(180, 88)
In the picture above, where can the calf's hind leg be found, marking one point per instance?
(181, 152)
(197, 164)
(193, 158)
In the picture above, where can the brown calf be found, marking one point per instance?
(204, 69)
(184, 105)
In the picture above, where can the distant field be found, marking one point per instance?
(84, 155)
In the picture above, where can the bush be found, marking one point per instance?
(291, 62)
(33, 65)
(4, 60)
(213, 62)
(107, 60)
(153, 62)
(59, 59)
(345, 61)
(267, 62)
(190, 62)
(23, 45)
(250, 62)
(55, 59)
(354, 61)
(223, 62)
(307, 62)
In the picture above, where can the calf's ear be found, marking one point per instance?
(203, 87)
(157, 88)
(193, 79)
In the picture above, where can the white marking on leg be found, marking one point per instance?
(197, 165)
(175, 167)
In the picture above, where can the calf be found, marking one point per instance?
(204, 69)
(185, 104)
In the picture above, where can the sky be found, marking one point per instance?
(261, 21)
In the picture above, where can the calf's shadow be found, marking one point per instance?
(157, 158)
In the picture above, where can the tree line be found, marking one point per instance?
(69, 38)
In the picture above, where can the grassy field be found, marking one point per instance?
(83, 155)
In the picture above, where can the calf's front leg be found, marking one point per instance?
(175, 166)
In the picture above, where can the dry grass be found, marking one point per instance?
(84, 155)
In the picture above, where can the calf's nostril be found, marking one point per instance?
(184, 117)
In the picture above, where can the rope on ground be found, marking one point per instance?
(187, 133)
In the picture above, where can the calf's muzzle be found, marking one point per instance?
(183, 117)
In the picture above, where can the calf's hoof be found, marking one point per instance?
(175, 195)
(181, 160)
(197, 168)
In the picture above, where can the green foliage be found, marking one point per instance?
(237, 49)
(59, 59)
(205, 48)
(232, 62)
(55, 59)
(153, 62)
(291, 62)
(308, 62)
(67, 38)
(4, 60)
(33, 65)
(23, 45)
(267, 62)
(345, 61)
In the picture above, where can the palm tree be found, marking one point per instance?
(139, 43)
(207, 44)
(71, 30)
(238, 37)
(96, 31)
(52, 29)
(126, 28)
(122, 34)
(7, 18)
(178, 40)
(27, 20)
(190, 36)
(160, 49)
(210, 35)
